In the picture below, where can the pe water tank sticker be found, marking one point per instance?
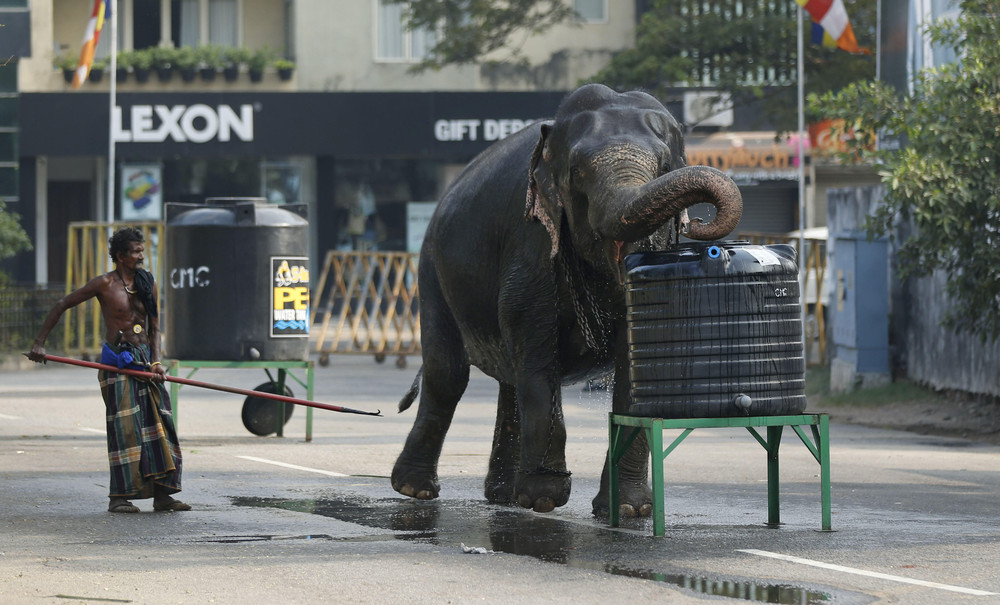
(289, 296)
(764, 256)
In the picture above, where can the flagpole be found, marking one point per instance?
(801, 151)
(111, 112)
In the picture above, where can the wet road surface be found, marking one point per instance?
(279, 519)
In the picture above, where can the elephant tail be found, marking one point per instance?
(407, 400)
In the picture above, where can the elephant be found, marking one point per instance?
(520, 274)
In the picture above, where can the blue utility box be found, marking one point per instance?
(860, 312)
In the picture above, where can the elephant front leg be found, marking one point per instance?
(543, 482)
(499, 487)
(634, 496)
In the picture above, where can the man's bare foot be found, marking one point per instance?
(122, 505)
(166, 503)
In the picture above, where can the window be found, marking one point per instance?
(220, 17)
(393, 41)
(942, 55)
(591, 11)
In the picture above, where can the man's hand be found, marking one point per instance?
(158, 371)
(37, 353)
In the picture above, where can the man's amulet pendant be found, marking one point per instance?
(137, 329)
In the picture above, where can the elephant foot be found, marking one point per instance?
(415, 483)
(542, 492)
(499, 489)
(634, 500)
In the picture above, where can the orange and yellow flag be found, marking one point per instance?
(102, 12)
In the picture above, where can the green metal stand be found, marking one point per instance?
(623, 429)
(283, 367)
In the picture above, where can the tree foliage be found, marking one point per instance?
(943, 184)
(13, 239)
(744, 48)
(749, 54)
(473, 29)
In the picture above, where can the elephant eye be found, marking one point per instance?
(657, 124)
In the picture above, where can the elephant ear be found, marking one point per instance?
(543, 201)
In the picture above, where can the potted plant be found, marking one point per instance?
(233, 58)
(257, 62)
(163, 61)
(97, 70)
(125, 61)
(186, 62)
(67, 63)
(209, 61)
(285, 68)
(142, 64)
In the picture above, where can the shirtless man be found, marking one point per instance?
(143, 450)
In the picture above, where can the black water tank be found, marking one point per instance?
(237, 286)
(715, 330)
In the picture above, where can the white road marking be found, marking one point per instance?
(864, 572)
(6, 417)
(90, 430)
(293, 466)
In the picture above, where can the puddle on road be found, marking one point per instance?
(748, 591)
(514, 532)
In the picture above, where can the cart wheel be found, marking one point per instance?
(379, 357)
(324, 360)
(401, 362)
(260, 414)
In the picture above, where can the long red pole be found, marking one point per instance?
(209, 385)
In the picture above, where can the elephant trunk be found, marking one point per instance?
(646, 207)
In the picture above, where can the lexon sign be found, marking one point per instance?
(197, 123)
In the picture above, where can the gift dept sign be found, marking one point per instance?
(475, 130)
(198, 123)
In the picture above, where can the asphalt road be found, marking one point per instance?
(286, 521)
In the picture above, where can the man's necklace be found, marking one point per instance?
(124, 285)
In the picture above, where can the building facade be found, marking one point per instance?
(353, 133)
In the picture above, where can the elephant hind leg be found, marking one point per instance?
(499, 485)
(415, 471)
(445, 377)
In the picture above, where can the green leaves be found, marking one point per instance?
(745, 49)
(13, 239)
(943, 185)
(473, 29)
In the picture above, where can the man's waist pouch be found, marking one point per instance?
(126, 357)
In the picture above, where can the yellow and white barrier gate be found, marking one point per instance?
(369, 306)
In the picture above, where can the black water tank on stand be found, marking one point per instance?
(237, 286)
(715, 330)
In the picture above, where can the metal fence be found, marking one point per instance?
(369, 305)
(22, 310)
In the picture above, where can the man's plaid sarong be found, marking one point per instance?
(142, 443)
